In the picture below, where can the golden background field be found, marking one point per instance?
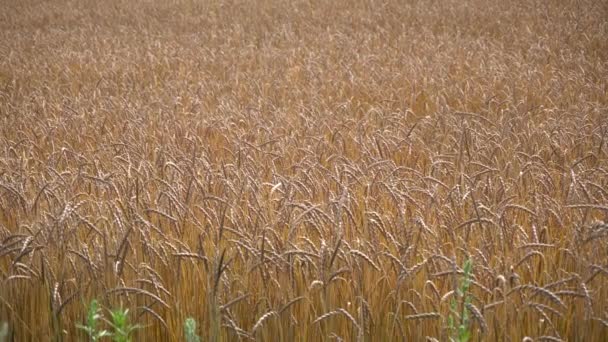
(305, 170)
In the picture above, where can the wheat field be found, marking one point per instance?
(348, 170)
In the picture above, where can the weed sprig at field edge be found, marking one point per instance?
(304, 170)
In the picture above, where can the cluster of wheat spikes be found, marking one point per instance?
(305, 170)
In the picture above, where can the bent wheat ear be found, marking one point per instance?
(262, 319)
(426, 315)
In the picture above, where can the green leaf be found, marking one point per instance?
(190, 330)
(93, 315)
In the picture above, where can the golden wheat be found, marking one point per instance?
(305, 170)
